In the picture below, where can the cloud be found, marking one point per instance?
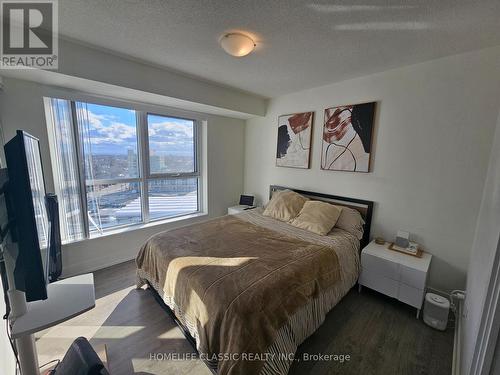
(106, 132)
(170, 129)
(94, 120)
(170, 136)
(118, 131)
(103, 129)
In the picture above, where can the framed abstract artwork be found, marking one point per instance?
(347, 138)
(294, 140)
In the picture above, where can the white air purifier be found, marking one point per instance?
(436, 310)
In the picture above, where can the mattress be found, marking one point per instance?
(248, 288)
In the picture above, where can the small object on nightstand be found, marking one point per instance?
(394, 274)
(402, 239)
(413, 249)
(246, 200)
(379, 241)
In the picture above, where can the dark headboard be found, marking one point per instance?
(365, 208)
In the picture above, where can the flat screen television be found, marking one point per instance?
(31, 227)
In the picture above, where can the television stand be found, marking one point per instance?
(67, 298)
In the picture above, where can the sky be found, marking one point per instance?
(113, 131)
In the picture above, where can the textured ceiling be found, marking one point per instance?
(300, 44)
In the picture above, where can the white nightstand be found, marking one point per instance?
(395, 274)
(237, 209)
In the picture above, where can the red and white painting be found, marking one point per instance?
(347, 138)
(294, 140)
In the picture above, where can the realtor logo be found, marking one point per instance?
(29, 34)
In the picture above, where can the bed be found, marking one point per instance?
(247, 289)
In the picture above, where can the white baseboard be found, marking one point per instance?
(457, 342)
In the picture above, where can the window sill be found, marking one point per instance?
(131, 228)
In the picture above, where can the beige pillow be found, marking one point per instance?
(284, 205)
(351, 221)
(318, 217)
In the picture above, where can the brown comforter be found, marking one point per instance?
(234, 284)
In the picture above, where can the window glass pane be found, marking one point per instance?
(37, 185)
(171, 144)
(109, 140)
(113, 205)
(172, 197)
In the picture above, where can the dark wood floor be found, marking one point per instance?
(380, 335)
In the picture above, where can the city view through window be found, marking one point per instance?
(115, 184)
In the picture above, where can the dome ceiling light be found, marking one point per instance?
(237, 44)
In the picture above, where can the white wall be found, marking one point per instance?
(482, 255)
(81, 65)
(21, 107)
(99, 65)
(433, 135)
(7, 359)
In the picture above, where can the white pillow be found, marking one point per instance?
(351, 221)
(284, 205)
(317, 217)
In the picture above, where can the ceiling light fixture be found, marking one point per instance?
(237, 44)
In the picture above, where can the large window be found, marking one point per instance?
(115, 167)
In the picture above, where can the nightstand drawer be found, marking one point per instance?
(412, 277)
(411, 296)
(380, 266)
(397, 275)
(379, 283)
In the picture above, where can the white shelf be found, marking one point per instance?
(66, 299)
(237, 209)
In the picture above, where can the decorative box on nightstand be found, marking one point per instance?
(394, 274)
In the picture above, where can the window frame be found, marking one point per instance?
(143, 162)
